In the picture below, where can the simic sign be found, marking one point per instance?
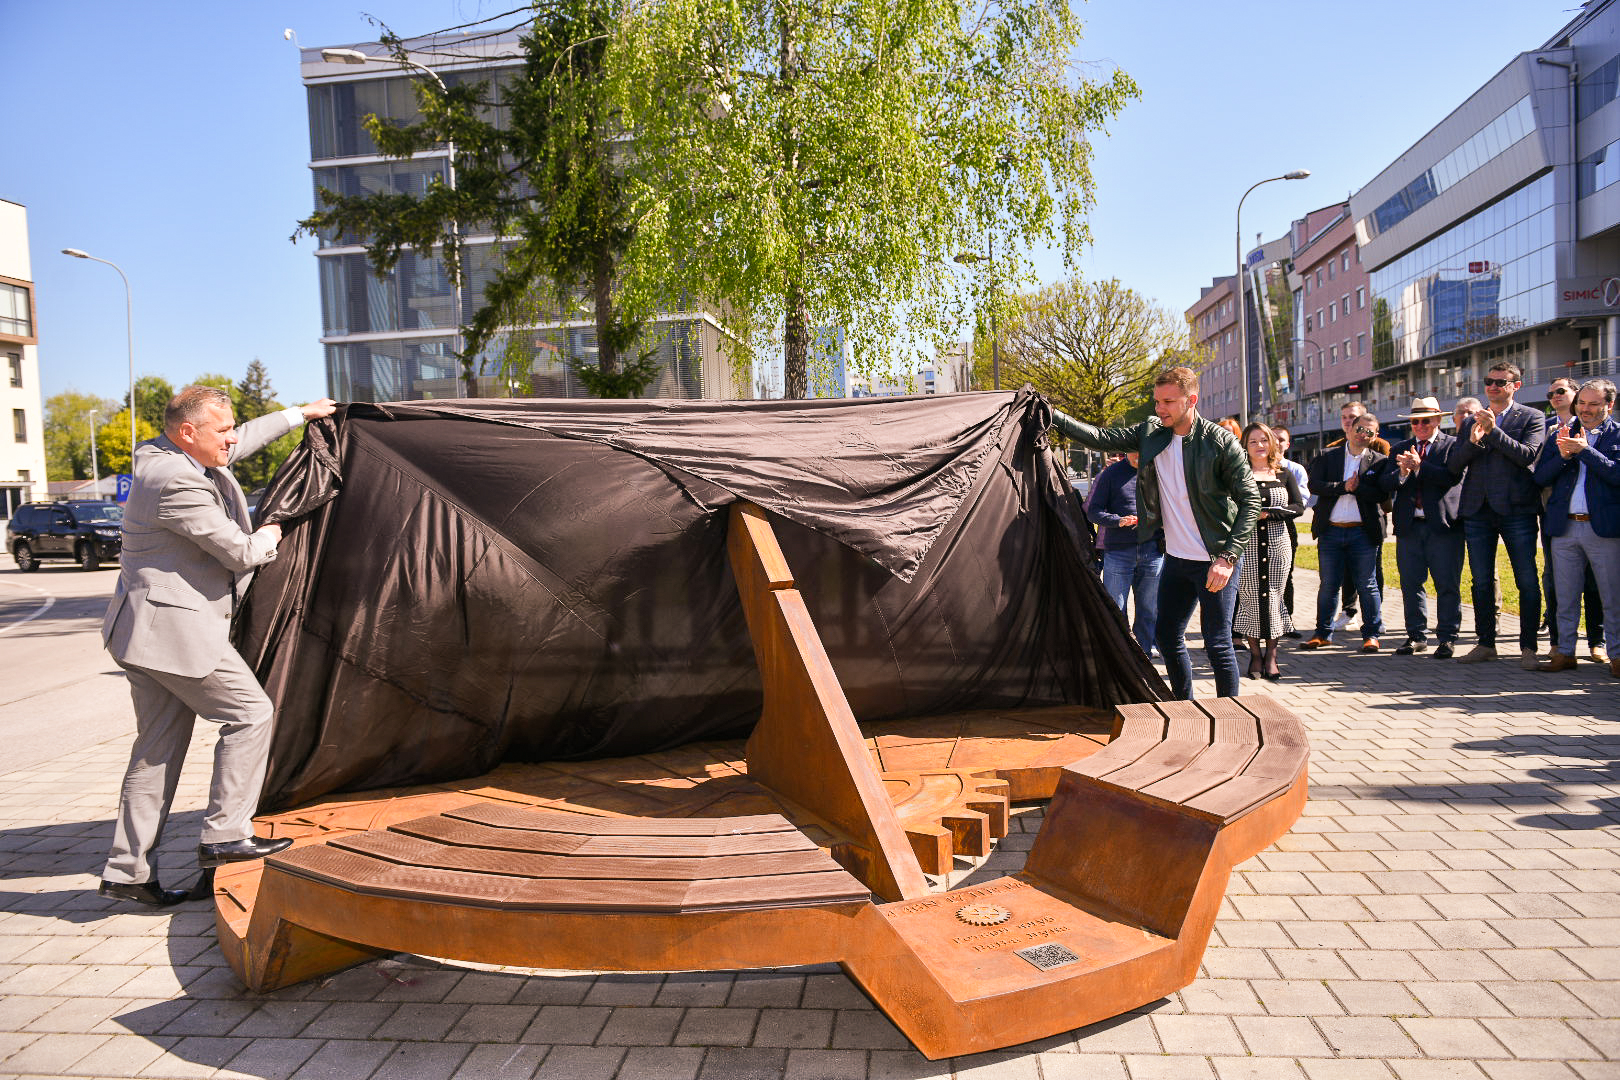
(1589, 296)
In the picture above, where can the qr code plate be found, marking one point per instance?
(1047, 957)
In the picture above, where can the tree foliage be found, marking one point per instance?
(67, 426)
(152, 394)
(112, 440)
(548, 179)
(67, 433)
(801, 165)
(1092, 347)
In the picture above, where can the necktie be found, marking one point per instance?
(1417, 495)
(236, 508)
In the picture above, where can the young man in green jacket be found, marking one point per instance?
(1194, 481)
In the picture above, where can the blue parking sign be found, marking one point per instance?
(124, 480)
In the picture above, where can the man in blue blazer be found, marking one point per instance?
(1428, 529)
(1496, 447)
(1581, 463)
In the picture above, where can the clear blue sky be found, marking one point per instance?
(172, 139)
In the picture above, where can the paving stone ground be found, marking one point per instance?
(1447, 909)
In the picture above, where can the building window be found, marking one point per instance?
(1361, 344)
(1347, 348)
(1330, 269)
(15, 314)
(1344, 303)
(1318, 277)
(1333, 354)
(1361, 297)
(1319, 320)
(1344, 260)
(1333, 313)
(1308, 324)
(14, 361)
(24, 474)
(1307, 284)
(19, 424)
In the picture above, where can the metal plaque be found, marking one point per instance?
(1047, 957)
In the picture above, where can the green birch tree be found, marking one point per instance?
(800, 163)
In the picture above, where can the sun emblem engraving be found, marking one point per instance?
(983, 914)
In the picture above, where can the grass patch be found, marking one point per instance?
(1506, 586)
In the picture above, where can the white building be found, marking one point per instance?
(22, 439)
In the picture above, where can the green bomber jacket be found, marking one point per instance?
(1225, 500)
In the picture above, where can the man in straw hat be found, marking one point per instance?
(1428, 530)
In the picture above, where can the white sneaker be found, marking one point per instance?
(1599, 655)
(1343, 620)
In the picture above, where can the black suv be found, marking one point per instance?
(86, 532)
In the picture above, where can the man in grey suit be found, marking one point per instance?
(189, 552)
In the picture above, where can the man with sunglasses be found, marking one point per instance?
(1501, 504)
(1428, 531)
(1561, 397)
(1581, 464)
(1349, 530)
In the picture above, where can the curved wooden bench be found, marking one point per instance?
(1117, 898)
(502, 884)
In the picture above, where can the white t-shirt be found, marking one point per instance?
(1181, 539)
(1347, 510)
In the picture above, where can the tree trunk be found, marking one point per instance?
(795, 329)
(607, 350)
(795, 344)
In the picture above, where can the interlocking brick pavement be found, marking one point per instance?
(1448, 907)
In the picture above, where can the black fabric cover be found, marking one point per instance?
(471, 582)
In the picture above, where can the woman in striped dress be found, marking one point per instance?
(1261, 617)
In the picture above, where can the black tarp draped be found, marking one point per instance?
(471, 582)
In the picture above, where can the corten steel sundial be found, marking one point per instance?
(808, 845)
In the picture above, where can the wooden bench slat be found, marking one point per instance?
(1214, 766)
(1281, 731)
(464, 833)
(1239, 729)
(358, 873)
(1137, 729)
(1238, 795)
(1280, 762)
(416, 851)
(551, 821)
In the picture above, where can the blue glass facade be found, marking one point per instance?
(1505, 131)
(1597, 171)
(1492, 273)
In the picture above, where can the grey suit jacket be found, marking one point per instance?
(183, 551)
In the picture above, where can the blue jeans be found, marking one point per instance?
(1517, 532)
(1181, 589)
(1422, 553)
(1136, 570)
(1342, 552)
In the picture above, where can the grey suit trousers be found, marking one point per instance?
(166, 707)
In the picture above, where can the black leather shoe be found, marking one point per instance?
(149, 893)
(1412, 647)
(1443, 651)
(251, 847)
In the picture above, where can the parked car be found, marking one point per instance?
(86, 532)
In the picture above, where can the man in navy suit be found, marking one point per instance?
(1500, 502)
(1349, 530)
(1428, 531)
(1581, 463)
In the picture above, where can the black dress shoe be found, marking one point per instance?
(149, 893)
(1443, 651)
(251, 847)
(1412, 647)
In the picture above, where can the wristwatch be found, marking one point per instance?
(1230, 562)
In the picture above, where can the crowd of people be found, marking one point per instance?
(1206, 507)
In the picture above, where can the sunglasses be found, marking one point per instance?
(1558, 390)
(1366, 431)
(1424, 420)
(1498, 382)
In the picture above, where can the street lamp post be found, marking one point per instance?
(1237, 283)
(356, 57)
(129, 325)
(95, 466)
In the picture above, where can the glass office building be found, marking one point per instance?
(1494, 236)
(396, 337)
